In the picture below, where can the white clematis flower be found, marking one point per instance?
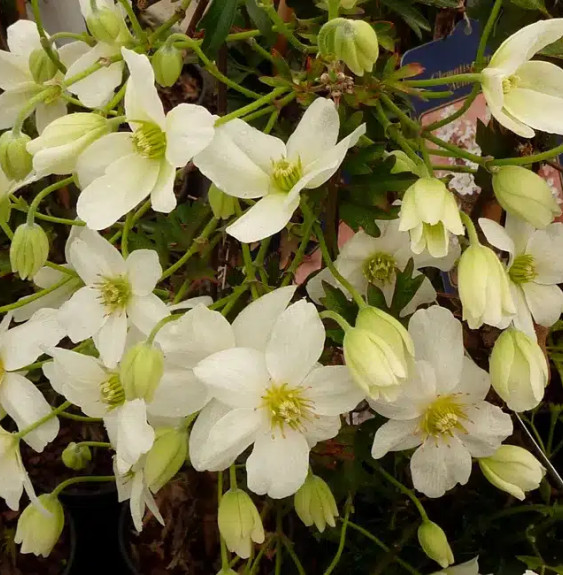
(246, 163)
(120, 170)
(278, 398)
(525, 95)
(535, 267)
(133, 487)
(97, 88)
(470, 567)
(441, 409)
(365, 260)
(19, 398)
(17, 81)
(117, 291)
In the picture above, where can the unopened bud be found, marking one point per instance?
(167, 63)
(222, 205)
(105, 24)
(29, 250)
(166, 457)
(42, 68)
(435, 544)
(15, 160)
(76, 456)
(141, 370)
(315, 504)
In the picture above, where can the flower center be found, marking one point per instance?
(523, 269)
(112, 391)
(510, 83)
(115, 293)
(287, 406)
(150, 141)
(444, 416)
(286, 174)
(380, 268)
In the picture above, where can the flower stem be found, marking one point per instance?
(252, 106)
(329, 314)
(288, 544)
(456, 151)
(83, 418)
(30, 106)
(160, 325)
(224, 552)
(178, 16)
(137, 28)
(138, 215)
(527, 160)
(249, 269)
(300, 253)
(82, 479)
(454, 79)
(479, 58)
(43, 194)
(102, 63)
(400, 114)
(44, 419)
(103, 444)
(408, 492)
(35, 296)
(45, 43)
(125, 235)
(268, 7)
(233, 477)
(279, 544)
(470, 227)
(342, 542)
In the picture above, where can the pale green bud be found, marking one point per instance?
(526, 195)
(519, 370)
(29, 250)
(314, 503)
(167, 63)
(239, 522)
(5, 211)
(76, 456)
(348, 4)
(484, 288)
(15, 160)
(105, 24)
(222, 205)
(404, 164)
(42, 68)
(141, 370)
(513, 469)
(435, 544)
(378, 351)
(166, 457)
(352, 41)
(39, 530)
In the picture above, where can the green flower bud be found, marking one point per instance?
(5, 211)
(76, 456)
(167, 63)
(29, 250)
(141, 370)
(166, 457)
(39, 530)
(526, 195)
(239, 522)
(222, 205)
(352, 41)
(314, 503)
(513, 469)
(377, 352)
(435, 544)
(105, 24)
(42, 68)
(15, 160)
(519, 371)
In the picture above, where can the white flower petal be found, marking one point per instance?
(396, 436)
(134, 435)
(237, 377)
(69, 53)
(23, 38)
(296, 343)
(321, 428)
(497, 236)
(163, 198)
(437, 466)
(144, 312)
(545, 302)
(278, 464)
(474, 382)
(110, 338)
(178, 394)
(82, 315)
(189, 130)
(487, 427)
(546, 247)
(127, 181)
(11, 103)
(332, 390)
(25, 404)
(143, 271)
(45, 113)
(523, 319)
(535, 109)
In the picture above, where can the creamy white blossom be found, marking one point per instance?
(535, 267)
(470, 567)
(364, 260)
(120, 170)
(272, 394)
(441, 409)
(523, 94)
(246, 163)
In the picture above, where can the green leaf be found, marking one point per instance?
(412, 16)
(530, 561)
(406, 287)
(440, 3)
(376, 298)
(336, 301)
(360, 217)
(531, 5)
(260, 18)
(217, 24)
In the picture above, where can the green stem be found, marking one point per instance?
(425, 156)
(403, 117)
(30, 106)
(62, 269)
(82, 418)
(34, 297)
(300, 253)
(45, 43)
(7, 229)
(253, 570)
(115, 100)
(329, 314)
(269, 109)
(333, 9)
(138, 215)
(454, 79)
(342, 542)
(178, 16)
(458, 113)
(103, 444)
(470, 227)
(125, 235)
(527, 160)
(41, 421)
(456, 151)
(233, 477)
(272, 13)
(103, 63)
(252, 106)
(453, 168)
(84, 37)
(224, 552)
(260, 50)
(382, 545)
(207, 231)
(83, 479)
(246, 35)
(479, 58)
(408, 492)
(249, 269)
(43, 194)
(279, 544)
(291, 552)
(160, 325)
(137, 28)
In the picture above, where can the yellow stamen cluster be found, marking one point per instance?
(286, 174)
(287, 406)
(115, 293)
(523, 269)
(379, 268)
(112, 391)
(510, 83)
(150, 141)
(444, 416)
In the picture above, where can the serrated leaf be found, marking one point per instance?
(217, 24)
(336, 301)
(281, 65)
(406, 287)
(360, 217)
(376, 298)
